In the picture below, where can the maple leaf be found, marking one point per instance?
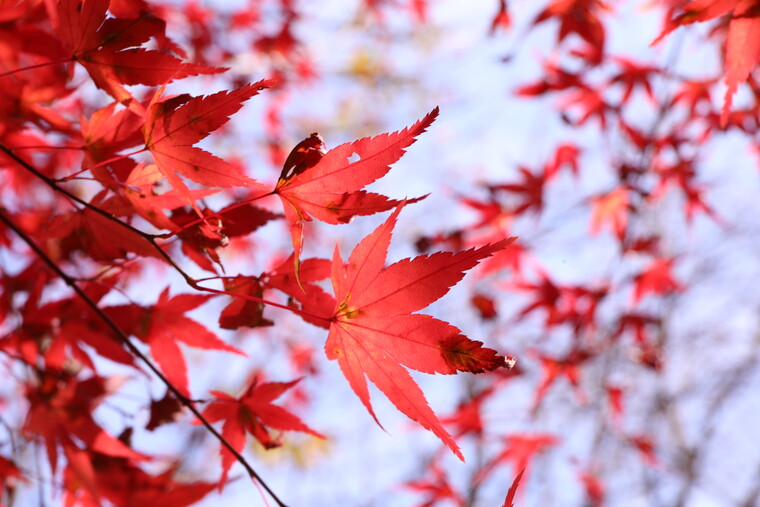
(612, 209)
(329, 187)
(163, 325)
(633, 75)
(163, 411)
(580, 17)
(141, 194)
(520, 449)
(501, 20)
(174, 125)
(302, 288)
(120, 483)
(253, 413)
(531, 188)
(243, 312)
(547, 295)
(109, 49)
(437, 488)
(646, 447)
(637, 323)
(510, 499)
(615, 402)
(202, 237)
(10, 476)
(93, 233)
(485, 306)
(61, 409)
(467, 418)
(373, 331)
(594, 488)
(568, 367)
(566, 155)
(742, 49)
(656, 279)
(104, 134)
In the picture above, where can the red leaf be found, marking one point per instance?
(373, 333)
(163, 326)
(510, 499)
(100, 237)
(742, 49)
(520, 449)
(656, 279)
(531, 188)
(580, 17)
(163, 411)
(110, 48)
(243, 312)
(302, 288)
(141, 194)
(485, 306)
(174, 125)
(501, 21)
(742, 40)
(328, 187)
(611, 209)
(437, 488)
(253, 413)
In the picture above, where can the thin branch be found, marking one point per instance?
(134, 350)
(37, 66)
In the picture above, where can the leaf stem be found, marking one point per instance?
(99, 164)
(213, 215)
(37, 66)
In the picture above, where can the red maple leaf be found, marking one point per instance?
(633, 75)
(656, 279)
(611, 209)
(254, 412)
(437, 488)
(501, 20)
(142, 196)
(118, 482)
(520, 449)
(467, 419)
(531, 188)
(329, 187)
(163, 325)
(485, 306)
(373, 331)
(87, 231)
(510, 499)
(106, 133)
(61, 411)
(174, 125)
(110, 49)
(646, 447)
(742, 53)
(566, 155)
(302, 288)
(568, 367)
(580, 17)
(243, 312)
(594, 488)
